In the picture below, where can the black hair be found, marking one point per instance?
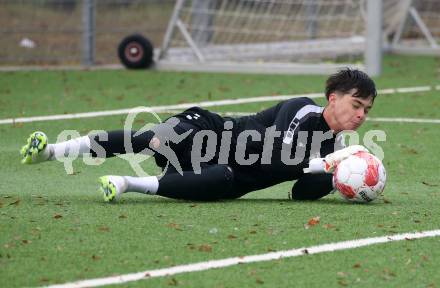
(348, 79)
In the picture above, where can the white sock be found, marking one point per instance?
(77, 146)
(146, 185)
(44, 155)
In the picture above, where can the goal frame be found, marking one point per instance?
(371, 42)
(396, 45)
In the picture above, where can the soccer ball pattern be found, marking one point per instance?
(360, 178)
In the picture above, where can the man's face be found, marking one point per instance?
(349, 112)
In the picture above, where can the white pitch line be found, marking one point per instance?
(158, 108)
(231, 114)
(404, 120)
(200, 104)
(374, 119)
(405, 90)
(414, 89)
(213, 264)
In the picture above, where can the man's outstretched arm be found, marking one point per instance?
(329, 162)
(312, 187)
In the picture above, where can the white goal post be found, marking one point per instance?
(273, 36)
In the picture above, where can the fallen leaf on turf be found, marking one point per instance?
(429, 184)
(205, 248)
(175, 226)
(57, 216)
(26, 241)
(74, 173)
(409, 150)
(173, 282)
(95, 257)
(386, 201)
(61, 203)
(312, 222)
(104, 228)
(387, 274)
(16, 202)
(357, 265)
(341, 274)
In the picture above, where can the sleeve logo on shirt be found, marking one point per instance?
(194, 116)
(302, 115)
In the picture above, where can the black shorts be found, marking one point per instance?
(195, 119)
(203, 119)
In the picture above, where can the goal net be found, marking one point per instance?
(414, 26)
(273, 36)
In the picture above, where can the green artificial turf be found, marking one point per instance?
(55, 228)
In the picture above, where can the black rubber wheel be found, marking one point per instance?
(136, 52)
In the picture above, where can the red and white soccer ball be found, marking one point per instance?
(360, 178)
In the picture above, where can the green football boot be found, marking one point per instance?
(111, 187)
(35, 150)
